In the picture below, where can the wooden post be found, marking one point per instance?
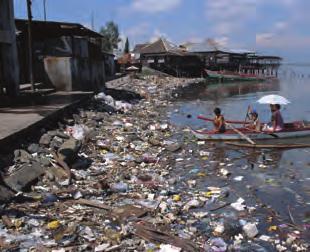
(31, 77)
(44, 7)
(8, 49)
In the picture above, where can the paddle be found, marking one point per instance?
(240, 133)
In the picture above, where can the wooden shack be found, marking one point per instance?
(66, 56)
(261, 65)
(216, 57)
(164, 56)
(219, 58)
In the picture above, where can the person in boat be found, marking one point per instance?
(277, 122)
(219, 121)
(254, 120)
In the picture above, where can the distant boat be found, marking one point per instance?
(224, 75)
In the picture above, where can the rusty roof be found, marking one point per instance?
(162, 46)
(52, 29)
(139, 47)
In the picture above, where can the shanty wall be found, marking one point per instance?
(58, 71)
(179, 66)
(66, 63)
(82, 71)
(70, 74)
(109, 64)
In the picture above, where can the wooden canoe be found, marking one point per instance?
(232, 75)
(292, 130)
(269, 146)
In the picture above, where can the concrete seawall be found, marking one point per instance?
(18, 123)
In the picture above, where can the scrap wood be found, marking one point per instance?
(64, 191)
(7, 221)
(149, 232)
(220, 207)
(121, 213)
(114, 248)
(63, 164)
(290, 215)
(5, 246)
(91, 203)
(128, 211)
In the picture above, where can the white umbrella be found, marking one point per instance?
(273, 99)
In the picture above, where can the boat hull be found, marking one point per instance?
(234, 77)
(232, 136)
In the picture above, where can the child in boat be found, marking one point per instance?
(219, 121)
(255, 123)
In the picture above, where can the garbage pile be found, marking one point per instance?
(108, 182)
(119, 106)
(149, 86)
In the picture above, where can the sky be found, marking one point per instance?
(273, 27)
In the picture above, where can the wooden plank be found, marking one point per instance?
(151, 233)
(6, 37)
(91, 203)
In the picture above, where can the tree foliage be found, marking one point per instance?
(110, 35)
(126, 49)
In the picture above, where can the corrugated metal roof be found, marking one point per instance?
(138, 47)
(241, 51)
(210, 46)
(200, 47)
(162, 46)
(48, 29)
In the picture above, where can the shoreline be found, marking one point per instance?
(150, 86)
(118, 188)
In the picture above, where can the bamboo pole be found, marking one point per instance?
(241, 134)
